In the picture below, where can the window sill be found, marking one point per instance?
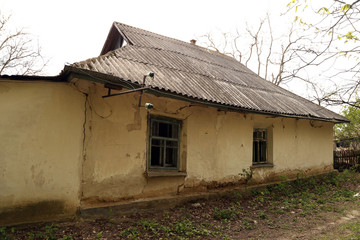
(262, 165)
(164, 173)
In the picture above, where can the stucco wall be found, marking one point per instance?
(41, 132)
(216, 146)
(61, 149)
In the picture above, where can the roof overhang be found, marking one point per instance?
(70, 73)
(58, 78)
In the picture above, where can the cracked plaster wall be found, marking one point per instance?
(216, 146)
(52, 155)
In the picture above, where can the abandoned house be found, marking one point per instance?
(150, 117)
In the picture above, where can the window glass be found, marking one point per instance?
(260, 146)
(156, 152)
(164, 143)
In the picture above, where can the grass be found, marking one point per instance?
(269, 211)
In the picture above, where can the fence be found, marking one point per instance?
(345, 159)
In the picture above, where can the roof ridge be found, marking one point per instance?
(159, 35)
(186, 44)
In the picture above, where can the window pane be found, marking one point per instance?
(175, 131)
(171, 157)
(259, 146)
(165, 129)
(155, 128)
(164, 146)
(255, 151)
(264, 136)
(171, 154)
(157, 152)
(262, 151)
(156, 143)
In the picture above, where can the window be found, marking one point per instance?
(260, 146)
(164, 143)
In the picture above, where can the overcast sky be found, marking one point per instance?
(71, 31)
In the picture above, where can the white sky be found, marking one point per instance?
(71, 31)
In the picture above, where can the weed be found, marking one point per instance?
(165, 214)
(248, 223)
(321, 189)
(221, 214)
(166, 230)
(299, 182)
(4, 235)
(69, 237)
(321, 201)
(285, 226)
(98, 235)
(282, 187)
(326, 208)
(237, 195)
(247, 175)
(311, 182)
(238, 208)
(303, 214)
(187, 228)
(151, 225)
(261, 199)
(332, 179)
(262, 215)
(343, 194)
(205, 224)
(131, 232)
(184, 227)
(279, 211)
(253, 192)
(48, 234)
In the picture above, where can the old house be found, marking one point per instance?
(105, 131)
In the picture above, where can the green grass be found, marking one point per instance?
(354, 229)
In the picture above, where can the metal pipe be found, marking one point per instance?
(141, 93)
(130, 91)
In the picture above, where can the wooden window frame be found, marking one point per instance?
(168, 121)
(259, 140)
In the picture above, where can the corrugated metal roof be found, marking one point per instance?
(198, 73)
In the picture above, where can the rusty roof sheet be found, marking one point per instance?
(198, 73)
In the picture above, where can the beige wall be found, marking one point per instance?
(41, 133)
(216, 146)
(49, 162)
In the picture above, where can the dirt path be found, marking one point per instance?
(329, 230)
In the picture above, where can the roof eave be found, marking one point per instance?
(71, 72)
(57, 78)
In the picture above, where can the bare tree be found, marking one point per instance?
(273, 58)
(336, 30)
(19, 53)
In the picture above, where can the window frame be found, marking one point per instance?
(165, 120)
(266, 140)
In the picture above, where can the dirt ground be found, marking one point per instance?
(313, 208)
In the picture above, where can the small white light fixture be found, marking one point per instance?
(149, 106)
